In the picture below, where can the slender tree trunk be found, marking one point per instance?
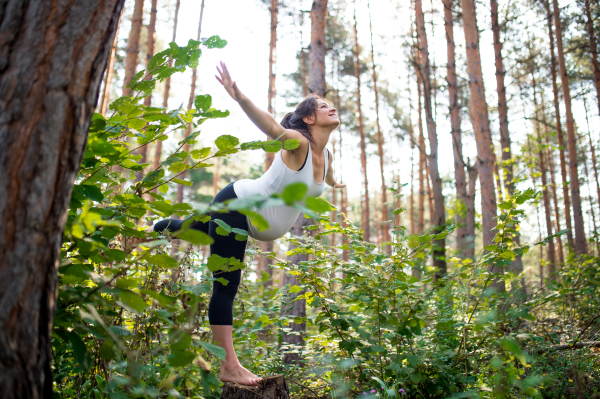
(411, 132)
(454, 110)
(158, 148)
(592, 203)
(318, 47)
(108, 76)
(481, 126)
(580, 244)
(559, 132)
(265, 262)
(593, 50)
(422, 163)
(545, 194)
(551, 170)
(472, 171)
(304, 72)
(365, 218)
(385, 233)
(133, 43)
(186, 147)
(592, 149)
(47, 102)
(439, 215)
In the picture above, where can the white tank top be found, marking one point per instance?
(280, 218)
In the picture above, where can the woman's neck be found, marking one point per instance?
(321, 137)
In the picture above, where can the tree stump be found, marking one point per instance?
(273, 387)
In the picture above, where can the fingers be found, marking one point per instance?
(220, 80)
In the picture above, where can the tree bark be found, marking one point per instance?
(580, 244)
(595, 167)
(52, 58)
(385, 232)
(272, 387)
(481, 127)
(593, 50)
(593, 150)
(158, 148)
(133, 43)
(361, 131)
(545, 194)
(454, 110)
(439, 214)
(108, 76)
(318, 47)
(188, 131)
(422, 162)
(472, 171)
(559, 132)
(505, 142)
(411, 133)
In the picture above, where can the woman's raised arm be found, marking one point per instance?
(262, 119)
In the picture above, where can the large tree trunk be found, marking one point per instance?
(439, 212)
(318, 47)
(517, 264)
(158, 148)
(385, 232)
(454, 110)
(422, 162)
(108, 76)
(481, 127)
(580, 244)
(545, 194)
(188, 131)
(361, 131)
(593, 50)
(52, 58)
(411, 133)
(559, 132)
(592, 203)
(473, 171)
(133, 43)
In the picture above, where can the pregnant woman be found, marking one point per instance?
(312, 123)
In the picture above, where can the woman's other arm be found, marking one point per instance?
(262, 119)
(329, 178)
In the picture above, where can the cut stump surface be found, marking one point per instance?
(273, 387)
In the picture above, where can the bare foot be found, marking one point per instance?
(238, 374)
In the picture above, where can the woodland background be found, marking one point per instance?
(461, 261)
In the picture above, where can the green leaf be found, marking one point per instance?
(294, 192)
(133, 301)
(252, 145)
(216, 262)
(179, 340)
(203, 102)
(272, 146)
(162, 260)
(127, 283)
(196, 237)
(221, 231)
(79, 350)
(183, 182)
(291, 144)
(202, 153)
(214, 349)
(136, 124)
(295, 288)
(224, 225)
(129, 164)
(318, 205)
(181, 358)
(107, 351)
(89, 191)
(257, 220)
(197, 289)
(214, 42)
(226, 142)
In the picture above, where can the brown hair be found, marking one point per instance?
(294, 120)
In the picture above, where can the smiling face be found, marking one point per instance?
(325, 116)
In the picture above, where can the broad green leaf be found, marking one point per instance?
(214, 349)
(272, 146)
(216, 262)
(214, 42)
(196, 237)
(226, 142)
(179, 340)
(183, 182)
(203, 102)
(257, 220)
(294, 192)
(291, 144)
(107, 351)
(80, 350)
(129, 164)
(181, 358)
(197, 289)
(318, 205)
(202, 153)
(222, 224)
(89, 191)
(162, 260)
(133, 300)
(136, 124)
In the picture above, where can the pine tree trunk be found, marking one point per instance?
(422, 163)
(439, 211)
(593, 50)
(385, 233)
(545, 194)
(592, 149)
(108, 76)
(551, 170)
(473, 172)
(590, 200)
(50, 80)
(481, 127)
(505, 142)
(411, 133)
(559, 132)
(361, 131)
(454, 110)
(188, 131)
(580, 244)
(592, 203)
(158, 148)
(318, 47)
(133, 43)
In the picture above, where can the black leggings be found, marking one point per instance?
(220, 308)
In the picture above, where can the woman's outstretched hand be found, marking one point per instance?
(228, 83)
(339, 185)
